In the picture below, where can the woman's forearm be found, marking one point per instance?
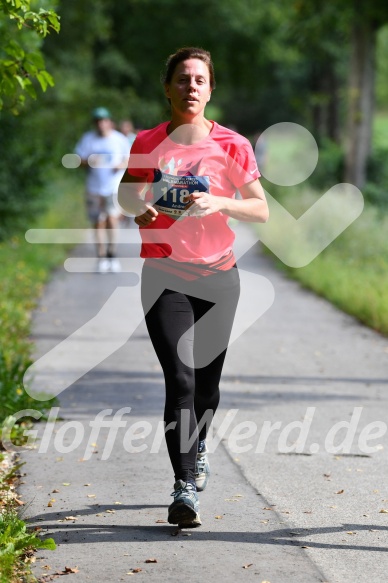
(130, 199)
(249, 209)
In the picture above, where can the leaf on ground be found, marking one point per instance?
(137, 570)
(70, 518)
(267, 508)
(71, 570)
(383, 511)
(91, 495)
(160, 521)
(51, 502)
(340, 492)
(151, 561)
(110, 511)
(66, 484)
(232, 500)
(247, 566)
(55, 491)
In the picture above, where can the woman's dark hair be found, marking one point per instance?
(188, 53)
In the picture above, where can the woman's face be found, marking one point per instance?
(189, 90)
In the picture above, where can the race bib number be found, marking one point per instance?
(171, 192)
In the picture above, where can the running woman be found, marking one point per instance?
(181, 184)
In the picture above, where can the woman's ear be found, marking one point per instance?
(167, 90)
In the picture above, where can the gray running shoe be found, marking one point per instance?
(202, 470)
(184, 511)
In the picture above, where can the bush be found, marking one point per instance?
(23, 172)
(330, 167)
(376, 189)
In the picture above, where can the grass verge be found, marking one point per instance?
(352, 272)
(25, 268)
(17, 541)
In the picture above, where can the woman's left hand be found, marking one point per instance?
(203, 204)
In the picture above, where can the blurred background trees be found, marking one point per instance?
(324, 68)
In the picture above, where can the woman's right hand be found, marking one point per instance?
(146, 218)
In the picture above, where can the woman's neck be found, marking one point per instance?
(188, 132)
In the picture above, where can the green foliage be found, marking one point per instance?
(25, 267)
(13, 395)
(20, 11)
(352, 272)
(21, 62)
(120, 52)
(24, 270)
(380, 129)
(382, 68)
(330, 170)
(23, 172)
(330, 166)
(15, 540)
(376, 189)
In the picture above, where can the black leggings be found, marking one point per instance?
(191, 359)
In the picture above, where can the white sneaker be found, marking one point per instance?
(115, 266)
(103, 265)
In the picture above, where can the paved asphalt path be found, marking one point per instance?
(299, 463)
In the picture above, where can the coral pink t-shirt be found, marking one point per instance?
(219, 164)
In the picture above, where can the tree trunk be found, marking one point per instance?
(360, 103)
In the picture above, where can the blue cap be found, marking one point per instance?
(101, 113)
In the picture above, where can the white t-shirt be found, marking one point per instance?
(107, 153)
